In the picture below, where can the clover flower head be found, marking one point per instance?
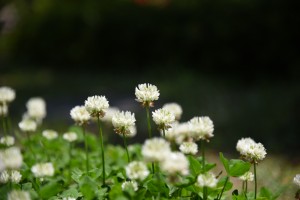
(4, 176)
(163, 118)
(110, 112)
(175, 163)
(183, 133)
(18, 195)
(80, 115)
(124, 123)
(7, 140)
(70, 136)
(11, 158)
(137, 170)
(27, 125)
(174, 108)
(146, 94)
(155, 149)
(248, 176)
(208, 179)
(201, 127)
(41, 170)
(3, 109)
(250, 150)
(96, 105)
(69, 198)
(296, 180)
(50, 134)
(36, 109)
(189, 148)
(10, 175)
(129, 185)
(7, 95)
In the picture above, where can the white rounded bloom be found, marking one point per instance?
(208, 179)
(80, 115)
(110, 112)
(129, 185)
(96, 105)
(251, 150)
(137, 170)
(18, 195)
(11, 158)
(174, 108)
(15, 176)
(42, 169)
(202, 128)
(174, 163)
(155, 149)
(189, 148)
(36, 108)
(183, 133)
(7, 94)
(296, 180)
(124, 122)
(50, 134)
(3, 109)
(69, 198)
(4, 176)
(70, 136)
(163, 118)
(7, 140)
(28, 125)
(146, 94)
(248, 176)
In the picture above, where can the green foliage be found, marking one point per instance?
(235, 167)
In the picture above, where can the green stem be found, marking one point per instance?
(8, 124)
(164, 133)
(30, 146)
(203, 167)
(125, 144)
(246, 187)
(223, 187)
(70, 157)
(255, 180)
(102, 149)
(149, 132)
(4, 125)
(86, 150)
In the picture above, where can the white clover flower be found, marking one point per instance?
(248, 176)
(27, 125)
(11, 158)
(296, 180)
(15, 176)
(2, 166)
(124, 122)
(3, 109)
(69, 198)
(7, 140)
(70, 136)
(202, 128)
(155, 149)
(171, 133)
(110, 112)
(7, 95)
(137, 170)
(251, 150)
(36, 109)
(96, 105)
(4, 176)
(50, 134)
(42, 169)
(80, 115)
(183, 133)
(18, 195)
(208, 179)
(189, 148)
(163, 118)
(146, 94)
(132, 132)
(174, 108)
(175, 163)
(129, 185)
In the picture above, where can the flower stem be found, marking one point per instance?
(164, 133)
(30, 146)
(203, 168)
(70, 158)
(4, 125)
(223, 187)
(246, 187)
(125, 144)
(86, 150)
(255, 180)
(102, 149)
(149, 132)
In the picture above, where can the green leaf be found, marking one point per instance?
(264, 192)
(72, 192)
(88, 187)
(238, 167)
(225, 162)
(222, 182)
(50, 189)
(195, 166)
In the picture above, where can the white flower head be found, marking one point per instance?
(4, 176)
(202, 128)
(183, 133)
(137, 170)
(70, 136)
(296, 180)
(248, 176)
(7, 95)
(130, 185)
(15, 176)
(146, 94)
(124, 122)
(189, 148)
(7, 140)
(18, 195)
(155, 149)
(96, 105)
(250, 150)
(174, 108)
(163, 118)
(80, 115)
(28, 125)
(36, 109)
(69, 198)
(41, 170)
(208, 179)
(110, 112)
(3, 109)
(175, 163)
(50, 134)
(11, 158)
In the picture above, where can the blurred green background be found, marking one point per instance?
(235, 61)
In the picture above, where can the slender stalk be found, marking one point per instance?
(102, 149)
(8, 124)
(70, 157)
(86, 150)
(164, 133)
(125, 144)
(4, 125)
(203, 167)
(246, 190)
(255, 180)
(149, 132)
(223, 187)
(30, 146)
(243, 187)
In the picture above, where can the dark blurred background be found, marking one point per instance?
(236, 61)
